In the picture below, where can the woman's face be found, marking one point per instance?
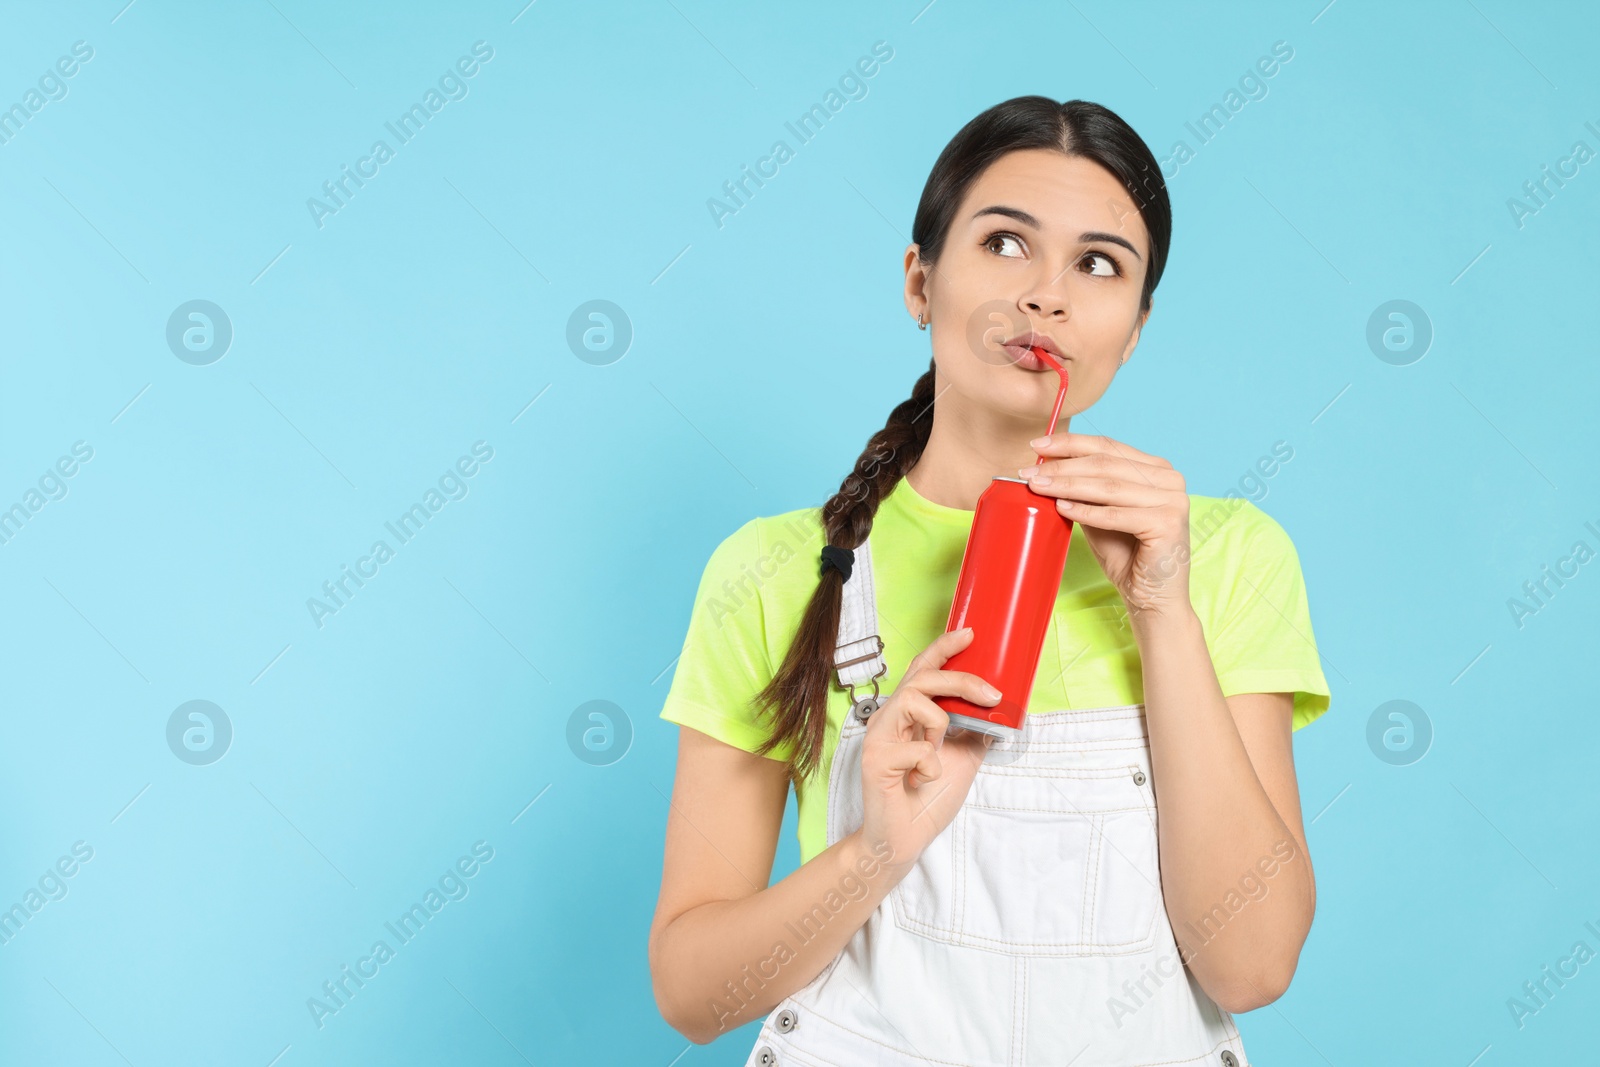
(1037, 245)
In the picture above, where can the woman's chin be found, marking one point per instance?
(1030, 412)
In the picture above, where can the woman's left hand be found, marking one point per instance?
(1134, 510)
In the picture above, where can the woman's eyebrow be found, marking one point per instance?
(1028, 220)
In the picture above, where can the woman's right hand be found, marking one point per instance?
(913, 778)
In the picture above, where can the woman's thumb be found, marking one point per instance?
(946, 645)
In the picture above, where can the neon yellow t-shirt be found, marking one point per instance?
(1244, 581)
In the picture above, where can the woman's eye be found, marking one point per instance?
(1111, 270)
(1003, 238)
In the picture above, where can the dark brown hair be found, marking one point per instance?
(797, 695)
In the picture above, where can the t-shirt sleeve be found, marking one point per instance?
(724, 662)
(1264, 642)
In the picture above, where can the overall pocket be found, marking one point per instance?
(1057, 860)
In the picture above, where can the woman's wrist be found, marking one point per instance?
(874, 863)
(1164, 624)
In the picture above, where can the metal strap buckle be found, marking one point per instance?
(866, 704)
(862, 659)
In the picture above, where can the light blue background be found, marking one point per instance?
(429, 313)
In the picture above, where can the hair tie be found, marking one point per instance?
(840, 559)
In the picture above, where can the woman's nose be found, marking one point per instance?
(1047, 308)
(1049, 296)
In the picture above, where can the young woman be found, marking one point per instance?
(1113, 886)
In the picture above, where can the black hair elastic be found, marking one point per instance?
(840, 559)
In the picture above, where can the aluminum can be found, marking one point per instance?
(1010, 576)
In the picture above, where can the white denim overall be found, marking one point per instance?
(1032, 928)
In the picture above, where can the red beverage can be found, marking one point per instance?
(1010, 576)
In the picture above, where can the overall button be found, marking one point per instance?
(766, 1057)
(1229, 1059)
(786, 1021)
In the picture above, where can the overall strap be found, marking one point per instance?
(859, 655)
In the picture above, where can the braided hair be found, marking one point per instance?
(800, 688)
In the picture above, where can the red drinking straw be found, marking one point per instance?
(1061, 394)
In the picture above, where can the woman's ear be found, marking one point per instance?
(916, 285)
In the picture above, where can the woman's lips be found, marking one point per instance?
(1022, 356)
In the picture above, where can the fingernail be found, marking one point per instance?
(1039, 442)
(991, 692)
(1027, 472)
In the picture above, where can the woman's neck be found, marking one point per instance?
(960, 461)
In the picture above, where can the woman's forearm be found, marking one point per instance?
(1218, 829)
(720, 965)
